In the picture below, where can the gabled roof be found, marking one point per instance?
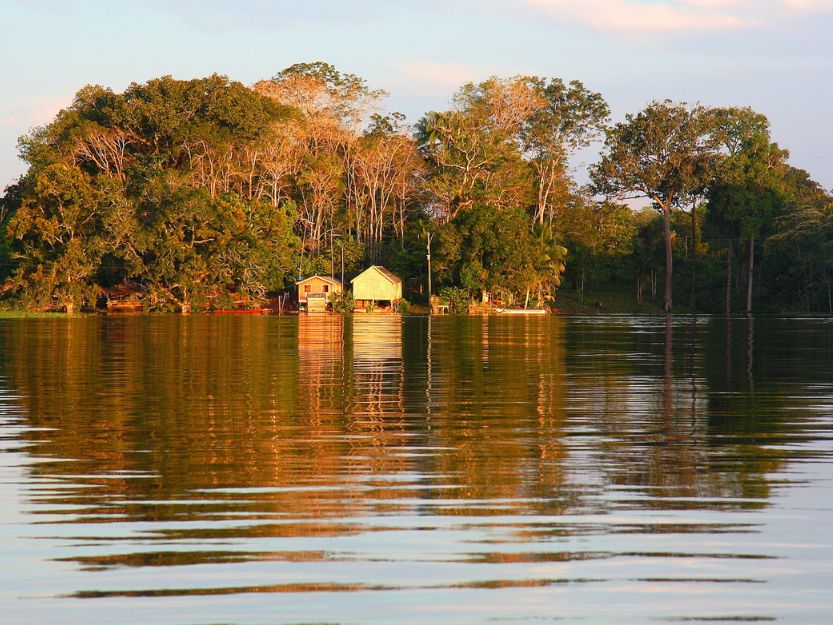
(390, 277)
(324, 278)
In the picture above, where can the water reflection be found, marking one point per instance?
(416, 463)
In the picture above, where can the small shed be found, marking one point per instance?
(314, 292)
(376, 284)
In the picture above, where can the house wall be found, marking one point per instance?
(372, 285)
(317, 286)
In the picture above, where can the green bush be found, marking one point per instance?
(458, 299)
(343, 302)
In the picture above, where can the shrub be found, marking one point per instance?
(458, 299)
(343, 302)
(402, 306)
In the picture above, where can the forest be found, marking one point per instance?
(207, 193)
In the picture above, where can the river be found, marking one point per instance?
(413, 470)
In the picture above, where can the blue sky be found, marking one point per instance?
(773, 55)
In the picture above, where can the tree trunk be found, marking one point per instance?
(669, 258)
(728, 297)
(751, 269)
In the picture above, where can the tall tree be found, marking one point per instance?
(660, 153)
(474, 151)
(746, 195)
(383, 168)
(798, 252)
(569, 117)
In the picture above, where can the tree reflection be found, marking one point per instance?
(315, 418)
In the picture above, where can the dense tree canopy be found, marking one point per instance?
(195, 194)
(664, 153)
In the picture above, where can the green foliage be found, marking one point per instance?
(486, 250)
(9, 204)
(402, 306)
(343, 302)
(117, 190)
(663, 152)
(458, 299)
(451, 142)
(747, 193)
(798, 255)
(599, 236)
(667, 153)
(206, 193)
(504, 144)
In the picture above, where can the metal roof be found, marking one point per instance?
(391, 277)
(324, 278)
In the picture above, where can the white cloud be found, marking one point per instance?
(674, 15)
(808, 5)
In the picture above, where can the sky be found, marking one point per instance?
(773, 55)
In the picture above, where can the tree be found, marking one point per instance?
(484, 250)
(383, 168)
(346, 178)
(746, 195)
(60, 233)
(323, 93)
(797, 254)
(548, 264)
(154, 186)
(569, 117)
(597, 235)
(647, 249)
(474, 152)
(662, 153)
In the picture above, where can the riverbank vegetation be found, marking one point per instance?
(205, 193)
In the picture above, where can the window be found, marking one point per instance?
(326, 288)
(307, 288)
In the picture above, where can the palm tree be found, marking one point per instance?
(548, 264)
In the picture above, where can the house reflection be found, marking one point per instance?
(321, 364)
(378, 372)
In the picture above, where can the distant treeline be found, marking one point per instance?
(202, 193)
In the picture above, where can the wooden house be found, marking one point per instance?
(314, 292)
(376, 285)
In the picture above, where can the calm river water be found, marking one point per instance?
(206, 470)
